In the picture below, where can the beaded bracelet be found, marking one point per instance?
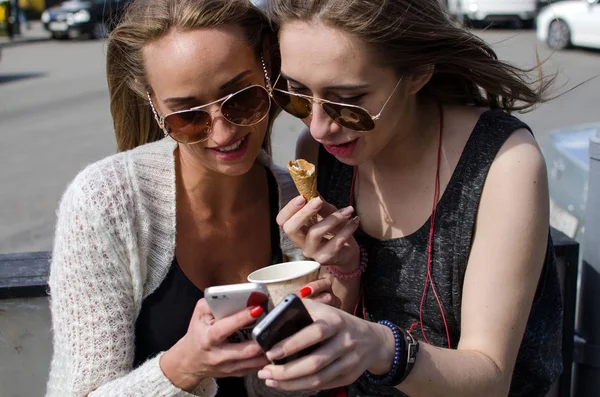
(397, 364)
(364, 260)
(404, 342)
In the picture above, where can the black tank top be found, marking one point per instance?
(166, 313)
(395, 277)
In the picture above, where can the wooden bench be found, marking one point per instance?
(24, 275)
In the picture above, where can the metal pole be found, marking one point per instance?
(586, 375)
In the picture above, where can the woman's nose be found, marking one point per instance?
(320, 124)
(222, 131)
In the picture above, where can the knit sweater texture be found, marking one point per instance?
(114, 243)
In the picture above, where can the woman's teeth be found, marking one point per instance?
(233, 147)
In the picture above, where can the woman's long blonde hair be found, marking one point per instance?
(147, 20)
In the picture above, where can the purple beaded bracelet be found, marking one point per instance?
(399, 352)
(364, 260)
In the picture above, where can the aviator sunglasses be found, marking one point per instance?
(246, 107)
(350, 116)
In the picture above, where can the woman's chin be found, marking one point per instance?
(240, 167)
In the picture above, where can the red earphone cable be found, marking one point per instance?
(428, 277)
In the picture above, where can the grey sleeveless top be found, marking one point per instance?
(395, 277)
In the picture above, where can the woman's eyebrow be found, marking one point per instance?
(235, 80)
(337, 87)
(188, 99)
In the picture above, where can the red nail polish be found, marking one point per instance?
(256, 311)
(304, 292)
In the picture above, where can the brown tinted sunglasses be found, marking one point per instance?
(350, 116)
(246, 107)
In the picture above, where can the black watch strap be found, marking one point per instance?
(412, 349)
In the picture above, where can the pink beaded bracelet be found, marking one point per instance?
(364, 260)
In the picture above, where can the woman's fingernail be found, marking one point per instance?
(264, 374)
(299, 201)
(347, 211)
(271, 383)
(304, 292)
(256, 311)
(316, 203)
(355, 220)
(275, 353)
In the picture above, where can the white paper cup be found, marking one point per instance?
(285, 278)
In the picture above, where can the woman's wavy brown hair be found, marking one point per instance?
(413, 35)
(148, 20)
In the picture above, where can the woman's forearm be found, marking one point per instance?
(460, 373)
(443, 372)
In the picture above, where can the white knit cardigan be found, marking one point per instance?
(114, 243)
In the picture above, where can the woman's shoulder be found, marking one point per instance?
(500, 151)
(114, 175)
(144, 155)
(470, 118)
(510, 140)
(478, 135)
(100, 176)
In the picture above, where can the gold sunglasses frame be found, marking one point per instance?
(320, 102)
(160, 119)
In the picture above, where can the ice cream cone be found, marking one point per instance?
(304, 175)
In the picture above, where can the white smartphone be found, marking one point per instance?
(225, 300)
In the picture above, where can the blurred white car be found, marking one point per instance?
(522, 11)
(570, 23)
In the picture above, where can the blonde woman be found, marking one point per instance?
(190, 202)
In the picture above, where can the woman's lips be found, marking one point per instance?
(228, 144)
(342, 150)
(234, 154)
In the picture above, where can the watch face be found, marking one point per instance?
(413, 347)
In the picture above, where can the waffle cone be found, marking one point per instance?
(305, 177)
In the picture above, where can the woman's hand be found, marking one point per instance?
(329, 241)
(321, 290)
(205, 352)
(350, 346)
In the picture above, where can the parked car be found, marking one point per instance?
(521, 11)
(567, 157)
(92, 18)
(570, 23)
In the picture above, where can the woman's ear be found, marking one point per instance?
(418, 80)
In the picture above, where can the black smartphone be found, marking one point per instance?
(287, 318)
